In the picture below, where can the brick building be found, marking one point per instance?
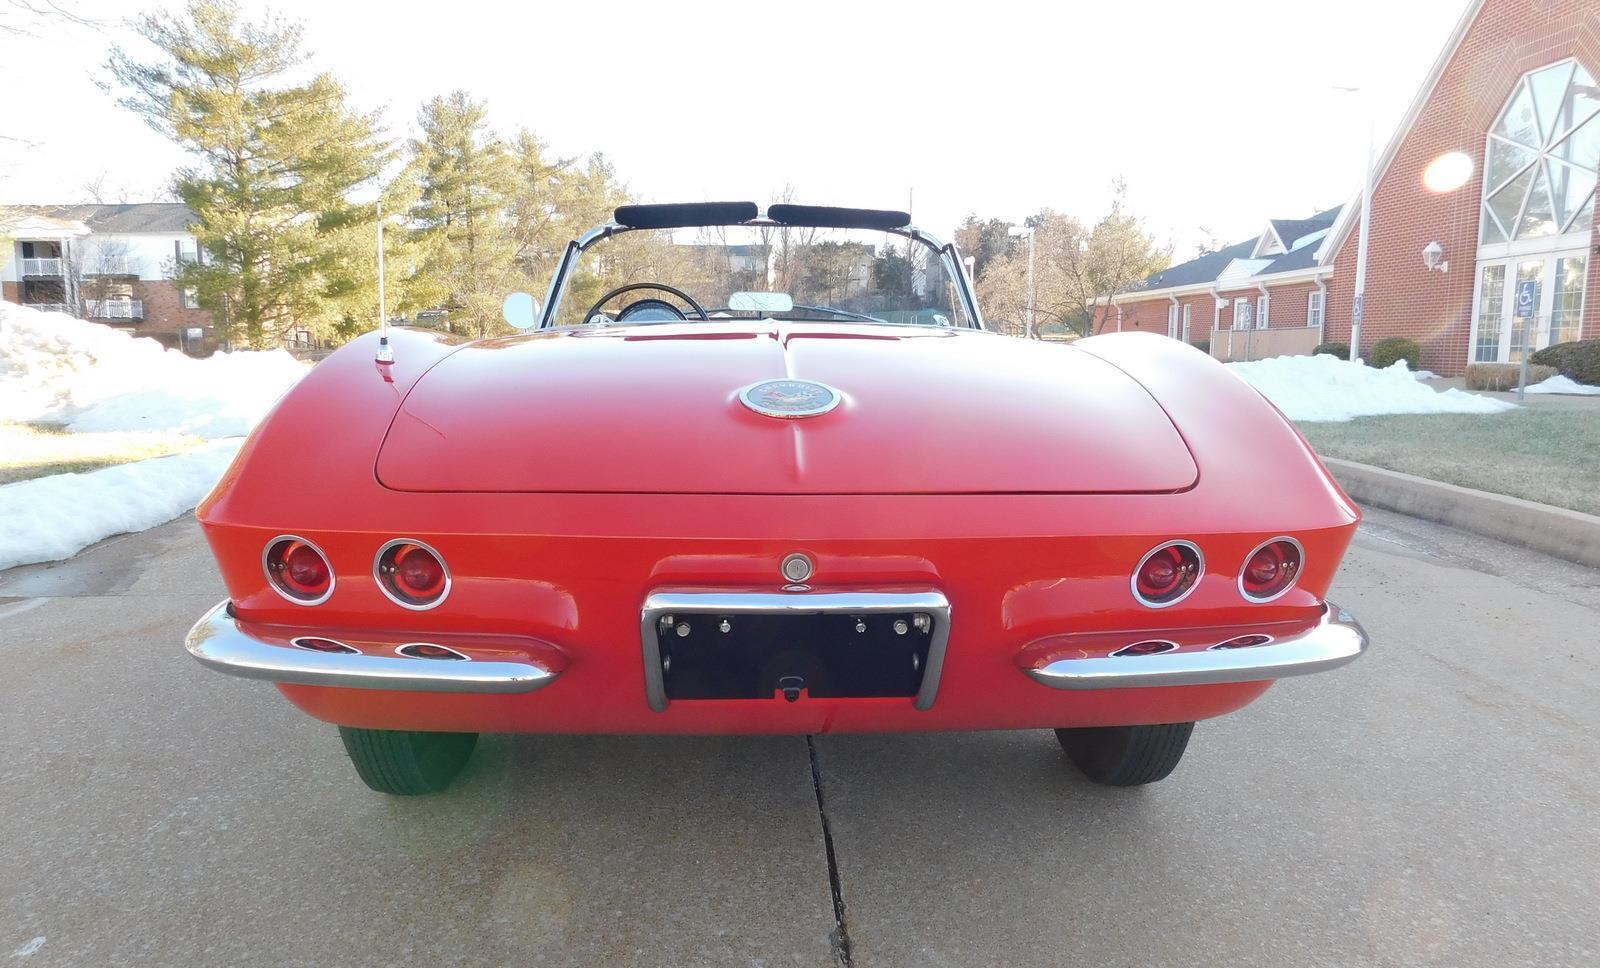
(1266, 296)
(1485, 192)
(108, 263)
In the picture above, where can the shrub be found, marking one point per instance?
(1503, 376)
(1386, 351)
(1203, 345)
(1341, 350)
(1579, 359)
(1553, 355)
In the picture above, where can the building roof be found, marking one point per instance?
(1291, 230)
(131, 219)
(1204, 269)
(1234, 264)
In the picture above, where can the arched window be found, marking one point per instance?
(1543, 152)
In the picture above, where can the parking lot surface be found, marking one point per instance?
(1432, 804)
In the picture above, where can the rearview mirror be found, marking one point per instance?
(761, 302)
(520, 310)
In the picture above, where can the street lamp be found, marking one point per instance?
(1358, 305)
(1027, 324)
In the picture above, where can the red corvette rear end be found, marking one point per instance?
(730, 525)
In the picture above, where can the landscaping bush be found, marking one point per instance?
(1203, 345)
(1503, 376)
(1579, 359)
(1341, 350)
(1553, 355)
(1386, 351)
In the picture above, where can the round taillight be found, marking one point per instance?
(298, 570)
(1271, 569)
(412, 574)
(1167, 574)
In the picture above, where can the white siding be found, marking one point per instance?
(148, 256)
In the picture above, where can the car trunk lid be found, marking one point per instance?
(656, 409)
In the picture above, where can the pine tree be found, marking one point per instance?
(467, 178)
(558, 200)
(276, 163)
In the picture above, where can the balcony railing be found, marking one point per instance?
(114, 308)
(41, 267)
(1239, 345)
(49, 307)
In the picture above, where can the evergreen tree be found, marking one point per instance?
(276, 163)
(467, 179)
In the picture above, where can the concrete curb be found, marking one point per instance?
(1572, 535)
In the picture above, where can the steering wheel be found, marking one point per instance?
(646, 304)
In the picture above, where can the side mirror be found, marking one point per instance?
(520, 310)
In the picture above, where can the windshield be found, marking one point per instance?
(759, 272)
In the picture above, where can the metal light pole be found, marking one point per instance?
(1027, 313)
(1033, 291)
(1358, 305)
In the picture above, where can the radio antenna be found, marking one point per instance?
(385, 352)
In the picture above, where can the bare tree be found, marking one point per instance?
(1078, 270)
(102, 263)
(26, 18)
(95, 190)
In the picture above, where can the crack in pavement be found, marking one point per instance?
(840, 935)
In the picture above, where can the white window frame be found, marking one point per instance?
(1263, 310)
(1512, 247)
(1240, 319)
(1186, 309)
(1508, 319)
(1172, 320)
(1314, 308)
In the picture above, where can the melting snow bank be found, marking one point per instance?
(55, 517)
(1330, 389)
(1564, 384)
(89, 377)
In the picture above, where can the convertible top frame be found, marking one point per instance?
(656, 217)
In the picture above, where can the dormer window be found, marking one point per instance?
(1268, 244)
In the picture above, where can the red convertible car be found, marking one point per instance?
(770, 474)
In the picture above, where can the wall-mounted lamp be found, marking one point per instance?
(1433, 257)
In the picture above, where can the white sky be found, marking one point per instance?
(1217, 114)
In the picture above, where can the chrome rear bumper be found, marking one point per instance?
(1336, 639)
(219, 640)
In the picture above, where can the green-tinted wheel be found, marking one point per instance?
(406, 763)
(1126, 755)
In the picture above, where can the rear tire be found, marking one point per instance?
(1126, 755)
(406, 763)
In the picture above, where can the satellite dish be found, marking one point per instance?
(521, 310)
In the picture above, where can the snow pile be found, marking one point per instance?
(57, 516)
(88, 377)
(1564, 384)
(1330, 389)
(92, 379)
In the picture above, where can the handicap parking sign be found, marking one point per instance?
(1527, 298)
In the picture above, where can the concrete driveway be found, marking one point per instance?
(1434, 804)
